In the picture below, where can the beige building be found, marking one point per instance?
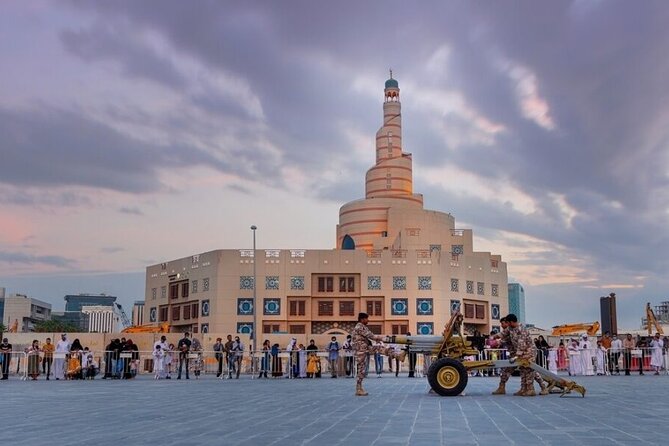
(23, 311)
(406, 266)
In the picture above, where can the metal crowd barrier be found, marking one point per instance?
(14, 364)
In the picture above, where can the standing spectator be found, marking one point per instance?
(196, 364)
(587, 356)
(656, 359)
(158, 362)
(312, 349)
(641, 346)
(378, 359)
(600, 354)
(219, 348)
(412, 360)
(542, 351)
(291, 364)
(265, 360)
(5, 357)
(628, 346)
(312, 365)
(333, 356)
(168, 361)
(229, 355)
(132, 363)
(87, 364)
(238, 349)
(552, 360)
(184, 347)
(562, 356)
(62, 348)
(277, 367)
(614, 354)
(302, 361)
(575, 363)
(48, 349)
(33, 360)
(348, 356)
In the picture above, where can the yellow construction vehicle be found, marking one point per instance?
(151, 328)
(448, 373)
(572, 329)
(652, 320)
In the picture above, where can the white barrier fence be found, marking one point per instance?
(301, 364)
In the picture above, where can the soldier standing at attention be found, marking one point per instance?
(525, 349)
(363, 345)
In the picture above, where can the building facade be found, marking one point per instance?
(101, 318)
(406, 266)
(23, 312)
(517, 301)
(138, 313)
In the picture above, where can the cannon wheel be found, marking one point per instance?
(447, 377)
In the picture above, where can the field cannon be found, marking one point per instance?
(448, 373)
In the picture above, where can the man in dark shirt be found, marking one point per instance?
(6, 353)
(229, 356)
(219, 348)
(184, 348)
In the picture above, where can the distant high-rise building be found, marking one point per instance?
(517, 301)
(74, 304)
(607, 306)
(138, 313)
(101, 318)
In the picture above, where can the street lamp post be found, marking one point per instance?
(255, 308)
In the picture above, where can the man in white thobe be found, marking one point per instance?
(292, 359)
(587, 354)
(62, 348)
(574, 358)
(656, 360)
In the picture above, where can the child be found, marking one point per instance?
(158, 362)
(312, 365)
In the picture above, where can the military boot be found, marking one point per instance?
(501, 390)
(529, 391)
(359, 391)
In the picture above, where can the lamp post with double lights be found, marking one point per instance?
(255, 308)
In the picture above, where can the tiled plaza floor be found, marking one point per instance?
(323, 412)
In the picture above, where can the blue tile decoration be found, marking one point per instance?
(205, 308)
(399, 282)
(494, 289)
(425, 328)
(399, 307)
(424, 307)
(455, 285)
(244, 306)
(455, 306)
(470, 287)
(245, 327)
(495, 329)
(205, 284)
(374, 282)
(494, 311)
(457, 250)
(204, 328)
(245, 282)
(480, 288)
(153, 315)
(271, 282)
(424, 282)
(297, 282)
(271, 307)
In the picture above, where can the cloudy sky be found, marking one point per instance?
(133, 132)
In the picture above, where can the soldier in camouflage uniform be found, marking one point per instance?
(363, 345)
(525, 349)
(507, 343)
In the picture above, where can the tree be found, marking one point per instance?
(53, 326)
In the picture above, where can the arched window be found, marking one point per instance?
(348, 242)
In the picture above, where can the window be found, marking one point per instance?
(297, 308)
(270, 328)
(469, 311)
(347, 308)
(205, 284)
(297, 329)
(195, 310)
(154, 293)
(375, 307)
(376, 329)
(186, 312)
(163, 292)
(194, 286)
(184, 289)
(176, 313)
(174, 291)
(325, 284)
(400, 329)
(325, 308)
(480, 311)
(163, 314)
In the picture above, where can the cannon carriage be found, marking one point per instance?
(448, 373)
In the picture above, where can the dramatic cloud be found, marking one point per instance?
(543, 126)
